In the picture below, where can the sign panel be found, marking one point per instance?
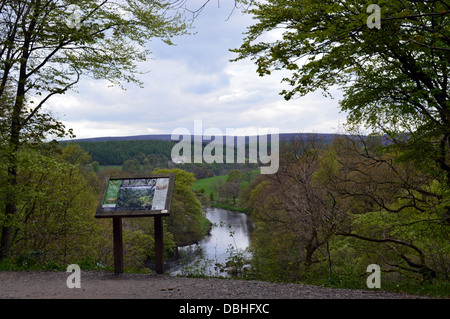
(136, 196)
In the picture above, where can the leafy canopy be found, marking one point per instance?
(394, 79)
(46, 47)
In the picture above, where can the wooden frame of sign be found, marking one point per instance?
(136, 196)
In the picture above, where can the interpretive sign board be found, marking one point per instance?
(136, 196)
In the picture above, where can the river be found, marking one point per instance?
(231, 230)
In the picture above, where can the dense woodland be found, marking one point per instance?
(143, 156)
(117, 152)
(55, 225)
(331, 210)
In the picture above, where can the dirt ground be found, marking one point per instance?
(104, 285)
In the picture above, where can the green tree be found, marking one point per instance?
(95, 166)
(394, 79)
(46, 47)
(334, 209)
(55, 209)
(234, 175)
(233, 184)
(131, 166)
(392, 207)
(186, 222)
(293, 204)
(146, 168)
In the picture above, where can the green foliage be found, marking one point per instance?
(328, 166)
(45, 49)
(384, 211)
(56, 224)
(137, 248)
(274, 254)
(234, 175)
(394, 78)
(199, 269)
(238, 263)
(423, 240)
(57, 193)
(33, 261)
(156, 152)
(139, 243)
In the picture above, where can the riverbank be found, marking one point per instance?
(106, 285)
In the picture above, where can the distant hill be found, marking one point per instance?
(116, 150)
(167, 137)
(154, 137)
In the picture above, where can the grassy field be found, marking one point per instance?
(206, 183)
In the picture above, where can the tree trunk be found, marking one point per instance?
(11, 197)
(310, 248)
(14, 145)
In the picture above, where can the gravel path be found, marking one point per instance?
(47, 285)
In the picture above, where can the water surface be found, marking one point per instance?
(231, 230)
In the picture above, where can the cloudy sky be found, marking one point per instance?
(194, 80)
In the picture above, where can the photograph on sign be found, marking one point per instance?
(136, 194)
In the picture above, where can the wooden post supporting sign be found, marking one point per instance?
(136, 196)
(118, 245)
(159, 247)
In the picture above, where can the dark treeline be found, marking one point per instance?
(142, 156)
(117, 152)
